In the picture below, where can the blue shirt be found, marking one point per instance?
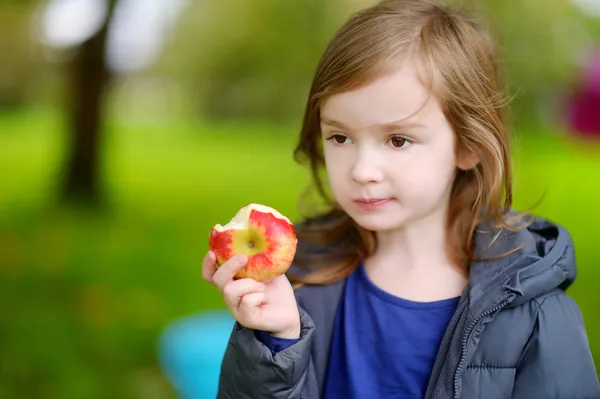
(383, 346)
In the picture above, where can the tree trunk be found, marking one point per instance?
(90, 77)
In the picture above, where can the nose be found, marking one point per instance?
(367, 167)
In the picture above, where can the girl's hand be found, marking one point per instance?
(269, 306)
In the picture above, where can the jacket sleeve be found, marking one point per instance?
(557, 361)
(250, 370)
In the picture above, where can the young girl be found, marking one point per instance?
(419, 281)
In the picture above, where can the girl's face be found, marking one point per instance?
(387, 175)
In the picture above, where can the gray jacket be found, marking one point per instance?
(515, 333)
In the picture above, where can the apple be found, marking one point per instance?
(261, 233)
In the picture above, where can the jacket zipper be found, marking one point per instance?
(466, 338)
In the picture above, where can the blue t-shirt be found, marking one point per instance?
(383, 346)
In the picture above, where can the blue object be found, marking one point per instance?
(273, 343)
(191, 350)
(384, 346)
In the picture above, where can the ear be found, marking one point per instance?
(467, 159)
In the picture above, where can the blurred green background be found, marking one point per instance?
(128, 128)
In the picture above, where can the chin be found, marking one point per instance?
(379, 222)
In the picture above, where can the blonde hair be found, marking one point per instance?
(459, 66)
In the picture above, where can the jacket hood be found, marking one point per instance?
(543, 261)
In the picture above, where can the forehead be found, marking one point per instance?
(396, 96)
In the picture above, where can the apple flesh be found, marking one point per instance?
(261, 233)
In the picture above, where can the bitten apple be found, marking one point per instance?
(261, 233)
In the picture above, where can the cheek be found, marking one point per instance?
(428, 173)
(336, 165)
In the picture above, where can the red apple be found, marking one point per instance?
(261, 233)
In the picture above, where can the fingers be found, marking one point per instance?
(253, 300)
(227, 271)
(235, 291)
(208, 266)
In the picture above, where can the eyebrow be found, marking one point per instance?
(385, 127)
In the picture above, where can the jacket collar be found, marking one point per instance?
(540, 258)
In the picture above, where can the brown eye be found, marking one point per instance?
(339, 139)
(398, 141)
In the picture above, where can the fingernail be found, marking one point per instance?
(242, 259)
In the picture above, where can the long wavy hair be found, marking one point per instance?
(458, 63)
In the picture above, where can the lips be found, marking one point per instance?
(372, 203)
(372, 200)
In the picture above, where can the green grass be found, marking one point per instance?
(85, 295)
